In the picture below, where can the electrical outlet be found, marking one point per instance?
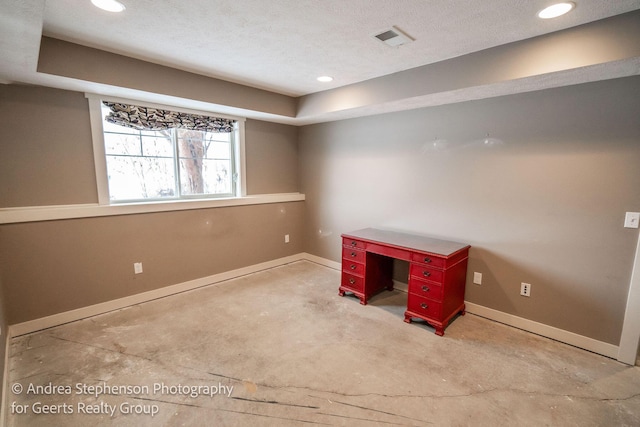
(525, 289)
(286, 238)
(477, 278)
(137, 267)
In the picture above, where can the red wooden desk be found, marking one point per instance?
(437, 272)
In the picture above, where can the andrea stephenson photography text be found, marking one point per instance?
(140, 394)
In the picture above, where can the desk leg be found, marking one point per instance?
(360, 295)
(439, 327)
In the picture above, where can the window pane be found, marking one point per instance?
(159, 145)
(122, 144)
(199, 172)
(216, 136)
(110, 127)
(219, 150)
(205, 177)
(191, 144)
(136, 178)
(218, 173)
(191, 148)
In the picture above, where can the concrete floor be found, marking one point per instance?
(281, 348)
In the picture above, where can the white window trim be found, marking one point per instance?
(99, 157)
(91, 210)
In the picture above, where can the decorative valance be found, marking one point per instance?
(146, 118)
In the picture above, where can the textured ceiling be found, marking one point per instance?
(284, 45)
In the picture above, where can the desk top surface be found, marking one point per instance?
(408, 241)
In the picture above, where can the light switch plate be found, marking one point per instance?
(477, 278)
(137, 267)
(631, 219)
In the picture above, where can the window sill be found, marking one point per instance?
(49, 213)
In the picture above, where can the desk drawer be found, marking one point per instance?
(424, 307)
(425, 289)
(353, 243)
(428, 273)
(352, 255)
(431, 260)
(389, 251)
(352, 282)
(352, 267)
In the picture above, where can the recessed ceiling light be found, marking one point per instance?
(325, 79)
(556, 10)
(109, 5)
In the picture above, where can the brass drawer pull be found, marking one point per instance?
(352, 281)
(423, 305)
(425, 288)
(353, 254)
(426, 274)
(427, 260)
(354, 243)
(353, 266)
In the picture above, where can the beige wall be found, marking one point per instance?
(66, 59)
(272, 157)
(46, 156)
(53, 266)
(544, 205)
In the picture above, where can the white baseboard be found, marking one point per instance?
(547, 331)
(322, 261)
(567, 337)
(401, 286)
(586, 343)
(561, 335)
(104, 307)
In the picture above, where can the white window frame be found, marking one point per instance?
(100, 159)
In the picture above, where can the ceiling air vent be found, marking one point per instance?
(393, 37)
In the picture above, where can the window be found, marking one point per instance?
(154, 154)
